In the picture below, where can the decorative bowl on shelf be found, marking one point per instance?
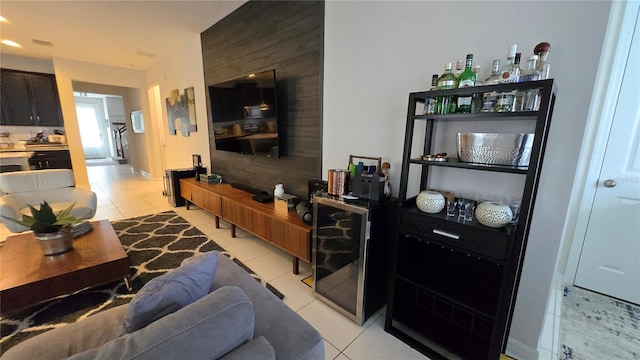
(495, 149)
(493, 214)
(431, 202)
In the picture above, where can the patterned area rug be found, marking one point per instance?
(154, 243)
(597, 327)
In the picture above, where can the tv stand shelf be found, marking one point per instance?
(288, 232)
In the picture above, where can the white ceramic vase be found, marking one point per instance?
(430, 201)
(493, 214)
(278, 191)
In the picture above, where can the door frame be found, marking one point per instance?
(623, 17)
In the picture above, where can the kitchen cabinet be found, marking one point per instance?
(50, 159)
(30, 99)
(454, 282)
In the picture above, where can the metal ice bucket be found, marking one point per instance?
(495, 149)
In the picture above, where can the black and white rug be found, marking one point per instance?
(598, 327)
(154, 243)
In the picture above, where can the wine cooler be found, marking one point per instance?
(351, 245)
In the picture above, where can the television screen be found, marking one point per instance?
(245, 116)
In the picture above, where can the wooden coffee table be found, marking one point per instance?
(28, 277)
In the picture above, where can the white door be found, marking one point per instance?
(91, 121)
(610, 258)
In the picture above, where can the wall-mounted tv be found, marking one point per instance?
(245, 115)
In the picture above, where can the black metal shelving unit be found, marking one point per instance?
(454, 283)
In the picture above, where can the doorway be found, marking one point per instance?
(93, 127)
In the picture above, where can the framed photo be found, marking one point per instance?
(137, 121)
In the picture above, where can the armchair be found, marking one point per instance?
(56, 186)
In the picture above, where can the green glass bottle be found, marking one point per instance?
(446, 81)
(467, 79)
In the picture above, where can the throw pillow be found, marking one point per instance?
(171, 291)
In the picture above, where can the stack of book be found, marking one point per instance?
(81, 228)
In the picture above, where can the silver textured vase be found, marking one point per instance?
(55, 243)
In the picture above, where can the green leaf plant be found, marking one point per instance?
(45, 220)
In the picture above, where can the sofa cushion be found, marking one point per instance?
(256, 349)
(24, 181)
(206, 329)
(60, 343)
(171, 291)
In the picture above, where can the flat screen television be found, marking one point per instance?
(245, 115)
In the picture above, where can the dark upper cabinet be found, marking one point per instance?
(30, 99)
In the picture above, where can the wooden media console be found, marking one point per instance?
(237, 207)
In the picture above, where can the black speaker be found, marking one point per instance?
(304, 211)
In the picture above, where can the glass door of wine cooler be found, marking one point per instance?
(339, 253)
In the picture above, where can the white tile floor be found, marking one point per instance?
(123, 193)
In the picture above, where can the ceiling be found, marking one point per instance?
(133, 34)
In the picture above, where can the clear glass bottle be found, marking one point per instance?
(517, 61)
(510, 72)
(430, 104)
(476, 70)
(494, 78)
(489, 98)
(504, 101)
(542, 50)
(525, 100)
(446, 81)
(434, 82)
(476, 100)
(466, 79)
(459, 69)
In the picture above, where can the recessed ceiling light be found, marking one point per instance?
(2, 19)
(11, 43)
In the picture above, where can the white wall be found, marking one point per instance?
(378, 52)
(181, 70)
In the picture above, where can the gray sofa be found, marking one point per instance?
(238, 319)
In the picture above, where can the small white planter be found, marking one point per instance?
(431, 202)
(493, 214)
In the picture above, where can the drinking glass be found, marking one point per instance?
(468, 212)
(462, 206)
(451, 208)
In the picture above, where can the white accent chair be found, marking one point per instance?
(55, 186)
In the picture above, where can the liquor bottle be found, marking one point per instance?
(434, 82)
(510, 72)
(446, 81)
(476, 70)
(459, 69)
(494, 78)
(528, 100)
(476, 100)
(531, 74)
(489, 98)
(466, 79)
(542, 50)
(516, 61)
(430, 103)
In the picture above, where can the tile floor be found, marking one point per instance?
(123, 193)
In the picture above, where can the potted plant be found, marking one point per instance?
(54, 231)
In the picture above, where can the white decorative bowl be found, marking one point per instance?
(430, 201)
(493, 214)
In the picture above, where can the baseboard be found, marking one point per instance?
(518, 350)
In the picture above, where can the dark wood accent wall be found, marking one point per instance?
(286, 36)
